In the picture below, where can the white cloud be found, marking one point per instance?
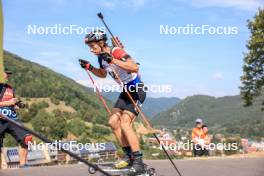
(218, 76)
(107, 4)
(240, 4)
(58, 2)
(118, 3)
(139, 3)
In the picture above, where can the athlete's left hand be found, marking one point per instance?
(106, 57)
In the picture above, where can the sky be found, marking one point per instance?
(208, 64)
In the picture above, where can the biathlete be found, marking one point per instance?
(114, 60)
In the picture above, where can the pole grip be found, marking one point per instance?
(100, 15)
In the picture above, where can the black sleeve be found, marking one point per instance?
(2, 90)
(100, 62)
(1, 86)
(125, 57)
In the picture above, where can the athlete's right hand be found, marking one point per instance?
(85, 64)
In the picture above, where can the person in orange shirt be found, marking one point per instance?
(207, 140)
(197, 134)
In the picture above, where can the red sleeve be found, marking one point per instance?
(119, 53)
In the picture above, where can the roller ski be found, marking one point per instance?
(110, 168)
(126, 167)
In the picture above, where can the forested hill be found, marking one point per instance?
(226, 114)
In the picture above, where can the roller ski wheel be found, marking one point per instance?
(147, 172)
(92, 170)
(151, 172)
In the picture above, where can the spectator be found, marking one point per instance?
(197, 133)
(207, 140)
(8, 106)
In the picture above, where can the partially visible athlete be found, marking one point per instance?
(8, 106)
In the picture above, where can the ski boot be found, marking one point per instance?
(137, 168)
(124, 163)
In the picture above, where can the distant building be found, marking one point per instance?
(166, 139)
(251, 146)
(50, 155)
(10, 157)
(108, 151)
(258, 145)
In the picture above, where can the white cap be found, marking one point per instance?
(199, 121)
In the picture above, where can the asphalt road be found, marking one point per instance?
(204, 167)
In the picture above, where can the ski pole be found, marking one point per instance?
(100, 15)
(114, 40)
(148, 124)
(46, 140)
(99, 94)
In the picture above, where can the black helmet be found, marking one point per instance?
(95, 36)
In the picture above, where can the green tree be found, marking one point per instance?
(76, 127)
(9, 141)
(24, 115)
(84, 138)
(32, 111)
(253, 77)
(99, 132)
(43, 104)
(47, 124)
(55, 101)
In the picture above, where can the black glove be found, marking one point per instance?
(20, 104)
(86, 64)
(106, 57)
